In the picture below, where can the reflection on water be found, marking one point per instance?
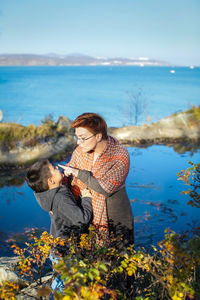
(11, 177)
(154, 192)
(152, 187)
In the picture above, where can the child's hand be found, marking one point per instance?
(86, 193)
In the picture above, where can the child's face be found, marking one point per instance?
(57, 176)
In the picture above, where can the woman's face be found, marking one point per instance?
(86, 139)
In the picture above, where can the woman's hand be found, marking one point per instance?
(69, 170)
(86, 193)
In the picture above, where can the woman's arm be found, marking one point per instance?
(110, 182)
(91, 182)
(106, 185)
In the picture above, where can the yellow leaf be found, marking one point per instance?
(130, 273)
(67, 298)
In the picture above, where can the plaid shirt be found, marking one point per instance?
(110, 169)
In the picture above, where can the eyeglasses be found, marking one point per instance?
(82, 140)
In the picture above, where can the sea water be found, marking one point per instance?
(28, 94)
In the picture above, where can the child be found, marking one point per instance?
(66, 216)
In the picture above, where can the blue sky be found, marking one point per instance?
(166, 30)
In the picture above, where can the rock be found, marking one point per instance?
(63, 123)
(27, 290)
(8, 262)
(173, 128)
(179, 121)
(27, 154)
(31, 292)
(6, 271)
(6, 275)
(183, 128)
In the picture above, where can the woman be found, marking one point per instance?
(101, 164)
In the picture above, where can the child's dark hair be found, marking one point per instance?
(37, 176)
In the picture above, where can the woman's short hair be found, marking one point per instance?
(37, 176)
(93, 122)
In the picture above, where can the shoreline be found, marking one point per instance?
(14, 175)
(23, 157)
(21, 145)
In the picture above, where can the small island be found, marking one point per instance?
(22, 145)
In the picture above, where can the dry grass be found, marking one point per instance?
(13, 135)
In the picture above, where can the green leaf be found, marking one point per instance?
(90, 276)
(103, 267)
(95, 271)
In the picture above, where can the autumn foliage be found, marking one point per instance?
(191, 178)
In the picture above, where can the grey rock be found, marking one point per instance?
(31, 292)
(63, 123)
(7, 273)
(8, 262)
(46, 150)
(27, 290)
(173, 127)
(9, 276)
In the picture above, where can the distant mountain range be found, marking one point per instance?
(74, 60)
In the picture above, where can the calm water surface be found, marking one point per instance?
(155, 192)
(28, 94)
(152, 188)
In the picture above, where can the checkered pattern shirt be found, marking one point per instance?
(110, 170)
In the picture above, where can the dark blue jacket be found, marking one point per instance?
(66, 216)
